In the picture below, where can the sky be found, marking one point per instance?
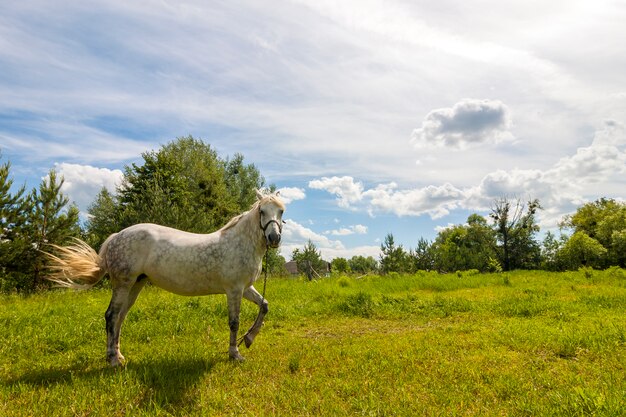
(371, 116)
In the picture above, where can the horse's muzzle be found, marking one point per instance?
(273, 240)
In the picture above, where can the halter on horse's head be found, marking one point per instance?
(271, 210)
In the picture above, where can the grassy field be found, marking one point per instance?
(518, 344)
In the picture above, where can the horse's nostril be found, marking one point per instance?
(274, 238)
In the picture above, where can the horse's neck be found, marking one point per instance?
(248, 229)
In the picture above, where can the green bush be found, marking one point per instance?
(360, 305)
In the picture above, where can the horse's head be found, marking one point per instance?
(271, 211)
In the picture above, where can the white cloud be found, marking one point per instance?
(347, 191)
(591, 164)
(84, 182)
(436, 201)
(598, 162)
(559, 188)
(433, 200)
(358, 229)
(515, 183)
(612, 133)
(347, 253)
(469, 122)
(440, 229)
(79, 142)
(340, 232)
(295, 236)
(295, 232)
(289, 194)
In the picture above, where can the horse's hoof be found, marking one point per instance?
(247, 340)
(116, 360)
(237, 357)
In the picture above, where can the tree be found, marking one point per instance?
(582, 250)
(15, 245)
(340, 265)
(12, 206)
(480, 243)
(51, 222)
(605, 221)
(618, 246)
(181, 185)
(588, 217)
(422, 257)
(361, 264)
(611, 233)
(103, 218)
(184, 185)
(309, 261)
(515, 227)
(550, 252)
(240, 179)
(463, 247)
(450, 253)
(30, 223)
(393, 258)
(274, 262)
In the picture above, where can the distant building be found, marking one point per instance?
(292, 267)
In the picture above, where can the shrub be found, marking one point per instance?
(343, 282)
(360, 305)
(493, 265)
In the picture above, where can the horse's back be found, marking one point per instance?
(178, 261)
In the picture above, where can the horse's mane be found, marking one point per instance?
(267, 199)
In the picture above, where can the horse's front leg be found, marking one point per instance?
(234, 306)
(253, 295)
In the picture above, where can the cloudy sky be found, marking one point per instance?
(374, 117)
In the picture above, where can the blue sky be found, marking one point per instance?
(373, 116)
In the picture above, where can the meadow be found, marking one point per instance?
(516, 344)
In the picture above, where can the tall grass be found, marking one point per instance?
(523, 343)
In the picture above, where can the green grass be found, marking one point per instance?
(516, 344)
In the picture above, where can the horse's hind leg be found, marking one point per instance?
(253, 295)
(113, 324)
(124, 296)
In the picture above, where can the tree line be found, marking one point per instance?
(310, 263)
(185, 184)
(509, 241)
(506, 240)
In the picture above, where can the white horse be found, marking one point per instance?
(227, 261)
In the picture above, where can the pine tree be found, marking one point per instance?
(103, 218)
(50, 222)
(393, 258)
(422, 256)
(310, 261)
(14, 241)
(12, 206)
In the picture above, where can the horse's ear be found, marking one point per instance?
(277, 193)
(259, 195)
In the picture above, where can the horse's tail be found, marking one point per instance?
(77, 266)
